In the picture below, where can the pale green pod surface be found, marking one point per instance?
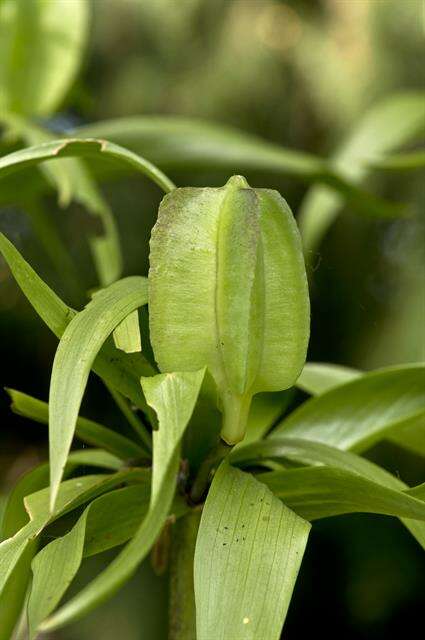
(228, 290)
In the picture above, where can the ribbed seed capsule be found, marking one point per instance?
(228, 289)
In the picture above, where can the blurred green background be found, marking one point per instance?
(301, 74)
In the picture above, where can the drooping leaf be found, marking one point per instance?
(181, 143)
(359, 413)
(388, 125)
(121, 371)
(77, 350)
(49, 39)
(247, 558)
(77, 148)
(173, 397)
(86, 430)
(321, 492)
(127, 334)
(318, 377)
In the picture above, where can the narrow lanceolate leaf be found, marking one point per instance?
(12, 596)
(318, 377)
(127, 334)
(76, 148)
(180, 143)
(321, 492)
(77, 350)
(388, 125)
(15, 515)
(53, 570)
(247, 558)
(228, 290)
(409, 432)
(361, 412)
(49, 39)
(86, 430)
(173, 397)
(72, 493)
(121, 371)
(73, 181)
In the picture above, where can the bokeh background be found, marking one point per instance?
(301, 74)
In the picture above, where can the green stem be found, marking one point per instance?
(216, 455)
(182, 613)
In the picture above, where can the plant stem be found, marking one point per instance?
(182, 613)
(216, 455)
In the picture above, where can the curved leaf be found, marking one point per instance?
(73, 181)
(121, 371)
(173, 397)
(181, 143)
(77, 350)
(358, 413)
(88, 147)
(321, 492)
(248, 553)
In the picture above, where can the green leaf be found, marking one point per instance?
(72, 493)
(409, 433)
(77, 148)
(15, 516)
(173, 397)
(218, 301)
(309, 452)
(121, 371)
(318, 377)
(108, 521)
(73, 182)
(359, 413)
(400, 161)
(77, 350)
(86, 430)
(47, 38)
(12, 596)
(327, 491)
(181, 143)
(127, 334)
(391, 123)
(247, 558)
(53, 570)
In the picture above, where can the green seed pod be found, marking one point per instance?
(228, 289)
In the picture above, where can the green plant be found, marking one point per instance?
(228, 322)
